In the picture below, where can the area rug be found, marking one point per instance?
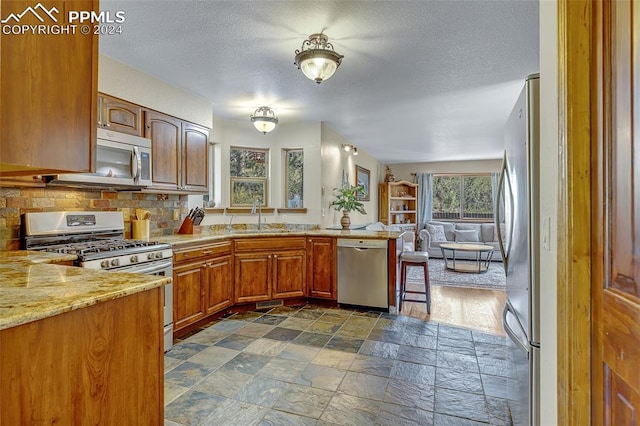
(493, 279)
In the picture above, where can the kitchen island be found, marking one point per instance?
(78, 346)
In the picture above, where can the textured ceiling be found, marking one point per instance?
(420, 80)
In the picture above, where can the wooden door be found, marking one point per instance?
(322, 268)
(187, 294)
(165, 133)
(289, 274)
(616, 216)
(252, 277)
(195, 149)
(120, 116)
(218, 287)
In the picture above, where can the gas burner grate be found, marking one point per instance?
(100, 246)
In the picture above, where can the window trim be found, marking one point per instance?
(285, 178)
(264, 180)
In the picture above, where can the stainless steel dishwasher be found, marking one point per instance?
(362, 273)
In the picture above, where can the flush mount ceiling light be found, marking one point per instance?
(264, 119)
(317, 59)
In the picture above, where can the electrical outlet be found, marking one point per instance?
(176, 214)
(284, 218)
(126, 214)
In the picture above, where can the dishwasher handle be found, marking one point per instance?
(362, 244)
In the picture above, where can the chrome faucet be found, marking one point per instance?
(229, 227)
(257, 204)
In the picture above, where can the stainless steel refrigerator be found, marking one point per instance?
(518, 227)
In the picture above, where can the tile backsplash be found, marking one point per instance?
(16, 201)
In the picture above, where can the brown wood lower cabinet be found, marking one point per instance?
(289, 274)
(209, 278)
(202, 282)
(322, 267)
(188, 282)
(99, 365)
(218, 285)
(269, 268)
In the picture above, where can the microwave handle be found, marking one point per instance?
(136, 164)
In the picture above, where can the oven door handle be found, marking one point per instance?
(151, 269)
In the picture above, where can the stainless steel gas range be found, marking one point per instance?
(97, 239)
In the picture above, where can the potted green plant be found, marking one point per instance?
(347, 201)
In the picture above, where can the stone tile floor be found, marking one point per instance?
(319, 366)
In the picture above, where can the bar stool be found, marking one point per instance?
(420, 259)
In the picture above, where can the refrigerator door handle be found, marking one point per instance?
(504, 183)
(512, 334)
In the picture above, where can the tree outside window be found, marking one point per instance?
(248, 170)
(459, 197)
(293, 175)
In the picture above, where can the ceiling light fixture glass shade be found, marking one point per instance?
(264, 119)
(317, 59)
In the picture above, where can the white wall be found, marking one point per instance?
(403, 171)
(549, 209)
(334, 161)
(130, 84)
(227, 133)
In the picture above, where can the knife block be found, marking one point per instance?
(188, 227)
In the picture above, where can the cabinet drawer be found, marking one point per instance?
(216, 249)
(279, 243)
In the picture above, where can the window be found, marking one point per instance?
(248, 170)
(293, 177)
(462, 197)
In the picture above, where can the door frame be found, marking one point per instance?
(575, 43)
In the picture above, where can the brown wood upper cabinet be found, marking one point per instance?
(120, 116)
(180, 153)
(48, 96)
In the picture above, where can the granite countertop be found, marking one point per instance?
(29, 257)
(32, 289)
(179, 239)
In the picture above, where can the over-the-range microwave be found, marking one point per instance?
(122, 162)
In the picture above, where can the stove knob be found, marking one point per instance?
(134, 259)
(115, 262)
(159, 255)
(150, 256)
(104, 264)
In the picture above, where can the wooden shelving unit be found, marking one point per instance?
(398, 204)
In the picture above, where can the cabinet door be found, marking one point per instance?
(120, 116)
(48, 94)
(289, 274)
(195, 150)
(253, 277)
(322, 268)
(218, 287)
(166, 140)
(187, 294)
